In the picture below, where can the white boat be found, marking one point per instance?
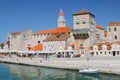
(88, 71)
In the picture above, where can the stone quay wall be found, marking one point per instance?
(105, 64)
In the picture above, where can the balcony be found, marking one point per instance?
(81, 33)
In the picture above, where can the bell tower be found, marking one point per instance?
(61, 19)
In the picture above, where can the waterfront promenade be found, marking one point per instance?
(105, 64)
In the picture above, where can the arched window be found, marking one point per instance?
(115, 37)
(38, 42)
(28, 44)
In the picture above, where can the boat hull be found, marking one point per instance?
(89, 71)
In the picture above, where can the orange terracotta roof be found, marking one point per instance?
(99, 46)
(118, 42)
(61, 30)
(99, 27)
(108, 45)
(114, 24)
(38, 47)
(83, 12)
(54, 31)
(57, 37)
(43, 32)
(15, 33)
(72, 45)
(105, 33)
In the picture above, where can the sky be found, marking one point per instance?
(21, 15)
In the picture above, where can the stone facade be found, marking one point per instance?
(19, 41)
(112, 48)
(113, 30)
(84, 21)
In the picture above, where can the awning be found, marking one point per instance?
(26, 52)
(46, 51)
(7, 50)
(38, 47)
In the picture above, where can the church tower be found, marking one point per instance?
(61, 19)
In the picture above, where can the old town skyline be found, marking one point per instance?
(40, 15)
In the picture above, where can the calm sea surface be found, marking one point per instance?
(21, 72)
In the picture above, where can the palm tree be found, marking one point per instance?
(8, 43)
(2, 45)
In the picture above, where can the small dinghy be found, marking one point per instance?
(88, 71)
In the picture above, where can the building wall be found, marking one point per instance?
(20, 41)
(112, 33)
(115, 50)
(79, 21)
(100, 35)
(54, 45)
(37, 38)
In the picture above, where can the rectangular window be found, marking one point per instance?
(115, 29)
(83, 22)
(117, 52)
(60, 42)
(109, 52)
(97, 35)
(81, 44)
(115, 37)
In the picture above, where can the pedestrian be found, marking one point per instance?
(87, 58)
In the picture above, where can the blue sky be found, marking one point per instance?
(20, 15)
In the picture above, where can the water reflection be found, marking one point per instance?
(38, 73)
(4, 72)
(89, 77)
(21, 72)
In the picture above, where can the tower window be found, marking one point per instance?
(83, 22)
(109, 29)
(24, 36)
(81, 44)
(115, 29)
(77, 22)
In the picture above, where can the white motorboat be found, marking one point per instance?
(88, 71)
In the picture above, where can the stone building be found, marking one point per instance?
(84, 31)
(19, 40)
(113, 30)
(110, 46)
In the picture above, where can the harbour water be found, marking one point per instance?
(22, 72)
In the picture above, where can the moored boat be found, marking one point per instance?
(88, 71)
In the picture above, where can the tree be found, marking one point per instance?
(2, 45)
